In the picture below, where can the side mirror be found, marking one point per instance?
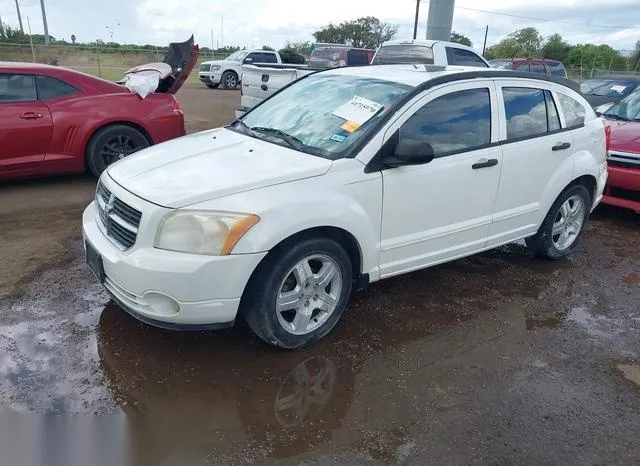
(247, 61)
(410, 152)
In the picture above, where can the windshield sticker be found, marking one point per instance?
(338, 137)
(350, 126)
(358, 110)
(619, 89)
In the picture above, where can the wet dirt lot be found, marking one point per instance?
(496, 359)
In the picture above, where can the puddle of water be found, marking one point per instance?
(631, 372)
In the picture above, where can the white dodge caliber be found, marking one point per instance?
(341, 179)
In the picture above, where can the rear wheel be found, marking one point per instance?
(229, 80)
(111, 144)
(298, 295)
(563, 226)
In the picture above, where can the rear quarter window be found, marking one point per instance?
(50, 88)
(574, 111)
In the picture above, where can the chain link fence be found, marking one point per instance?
(580, 75)
(106, 62)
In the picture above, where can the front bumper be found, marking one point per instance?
(210, 78)
(169, 289)
(623, 187)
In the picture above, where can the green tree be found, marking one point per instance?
(460, 39)
(591, 56)
(301, 48)
(11, 35)
(266, 47)
(366, 32)
(634, 62)
(556, 48)
(525, 42)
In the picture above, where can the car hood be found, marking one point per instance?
(174, 70)
(625, 136)
(597, 100)
(211, 164)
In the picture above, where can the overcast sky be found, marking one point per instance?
(253, 23)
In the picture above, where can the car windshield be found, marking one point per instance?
(627, 109)
(237, 56)
(408, 54)
(305, 113)
(608, 87)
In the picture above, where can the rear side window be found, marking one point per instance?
(404, 54)
(526, 112)
(537, 68)
(455, 122)
(50, 88)
(17, 88)
(268, 58)
(574, 112)
(522, 66)
(461, 57)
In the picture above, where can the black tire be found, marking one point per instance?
(542, 244)
(259, 300)
(212, 86)
(112, 143)
(228, 78)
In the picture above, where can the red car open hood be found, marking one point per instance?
(175, 69)
(625, 136)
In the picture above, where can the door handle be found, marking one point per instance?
(561, 146)
(31, 116)
(484, 163)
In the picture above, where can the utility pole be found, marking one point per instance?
(486, 33)
(440, 19)
(44, 22)
(19, 17)
(415, 25)
(222, 29)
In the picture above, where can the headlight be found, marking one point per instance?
(215, 67)
(198, 232)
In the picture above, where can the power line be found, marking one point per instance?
(543, 19)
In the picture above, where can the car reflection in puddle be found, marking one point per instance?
(220, 392)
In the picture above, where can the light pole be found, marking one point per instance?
(19, 17)
(440, 19)
(415, 24)
(44, 23)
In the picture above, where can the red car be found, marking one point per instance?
(56, 120)
(623, 186)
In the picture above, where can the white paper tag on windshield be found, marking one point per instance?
(359, 110)
(618, 89)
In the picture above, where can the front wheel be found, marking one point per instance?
(298, 295)
(563, 226)
(111, 144)
(229, 80)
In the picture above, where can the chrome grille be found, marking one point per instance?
(624, 159)
(120, 220)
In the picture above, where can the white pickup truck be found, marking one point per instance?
(227, 73)
(260, 82)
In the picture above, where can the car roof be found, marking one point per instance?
(423, 75)
(27, 66)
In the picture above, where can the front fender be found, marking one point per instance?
(291, 208)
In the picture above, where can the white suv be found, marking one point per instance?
(344, 178)
(427, 52)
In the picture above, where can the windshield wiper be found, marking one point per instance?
(293, 141)
(614, 116)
